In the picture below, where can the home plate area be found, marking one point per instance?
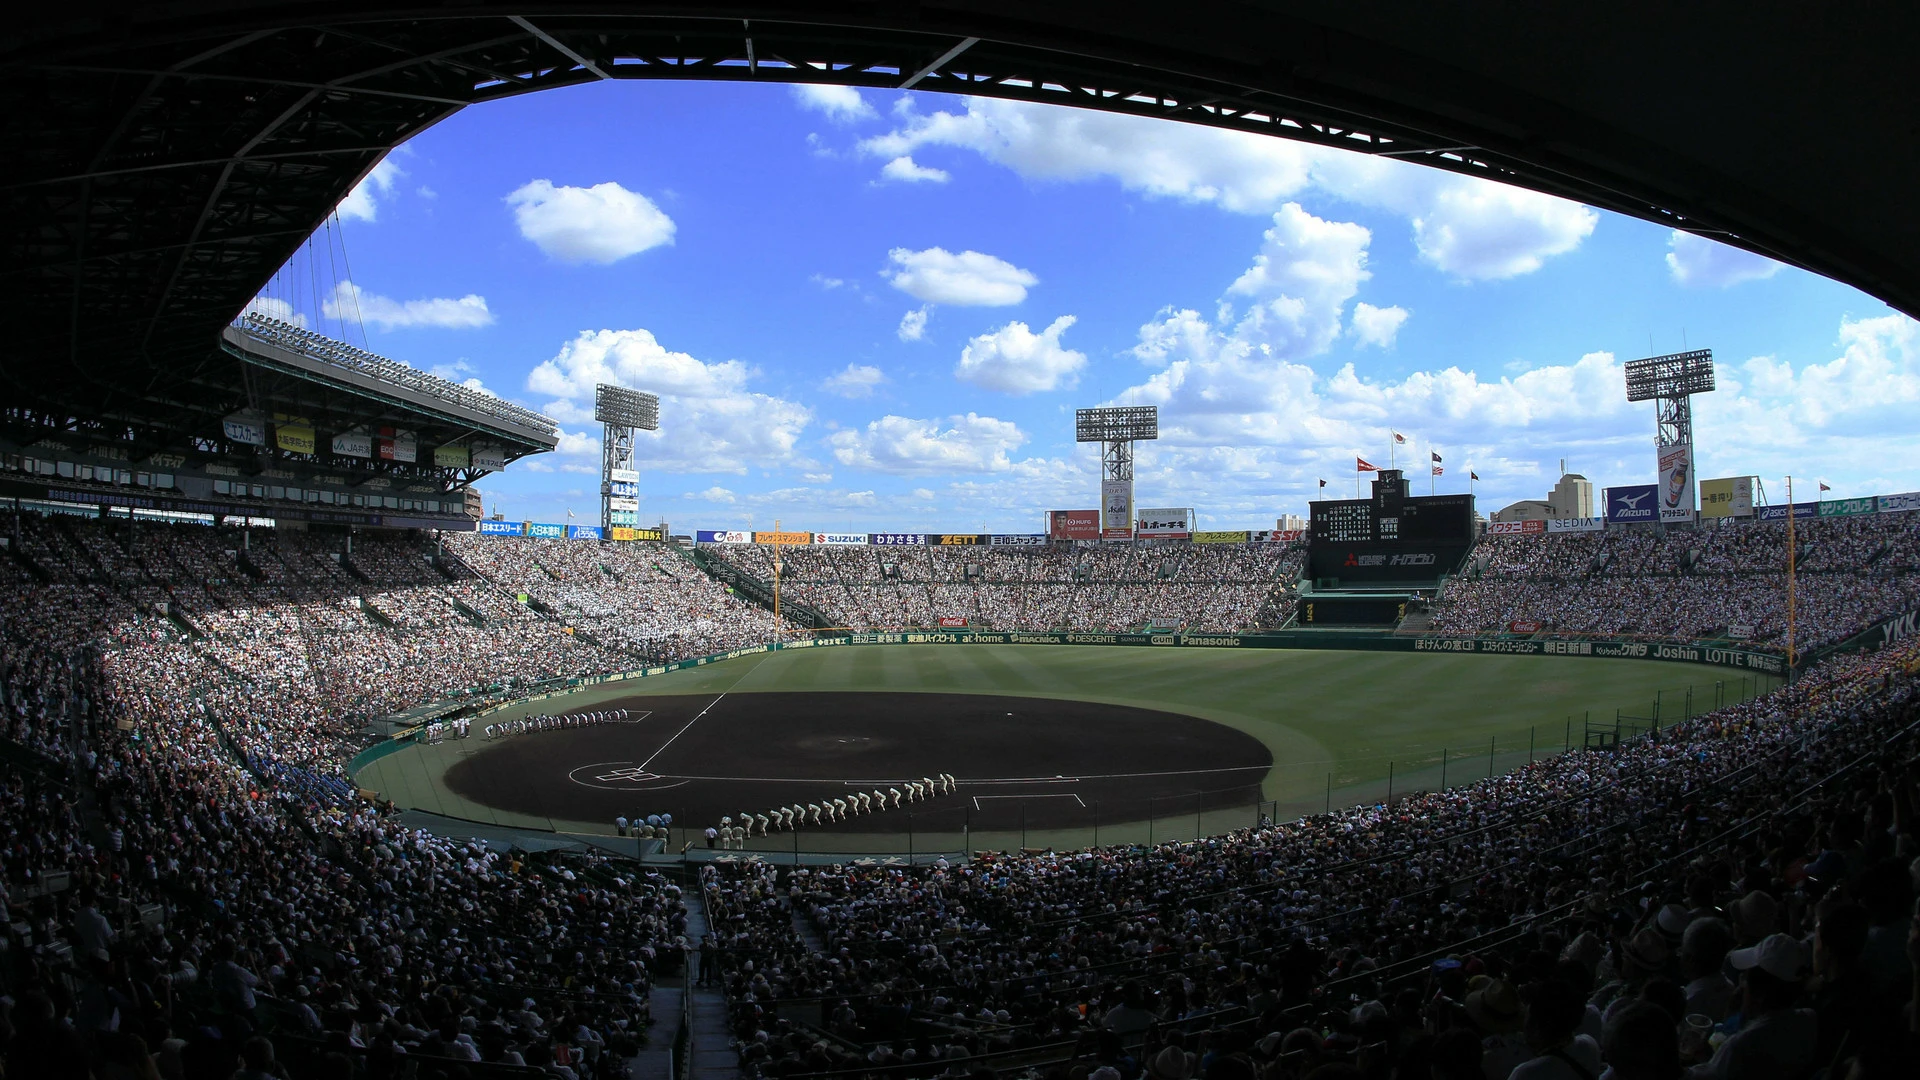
(981, 761)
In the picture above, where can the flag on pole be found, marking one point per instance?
(1399, 438)
(1436, 459)
(1360, 465)
(1824, 487)
(1323, 483)
(1471, 475)
(1438, 471)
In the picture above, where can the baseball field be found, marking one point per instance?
(1046, 744)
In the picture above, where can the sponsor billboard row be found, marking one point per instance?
(1633, 503)
(1778, 512)
(1730, 496)
(1676, 482)
(1164, 523)
(1847, 507)
(1073, 524)
(1515, 528)
(1220, 537)
(840, 539)
(1577, 525)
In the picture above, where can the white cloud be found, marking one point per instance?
(1465, 226)
(1696, 260)
(350, 301)
(913, 325)
(363, 202)
(896, 444)
(1483, 230)
(970, 278)
(601, 224)
(1306, 271)
(855, 381)
(715, 494)
(274, 308)
(710, 418)
(827, 283)
(842, 104)
(1015, 360)
(462, 372)
(905, 170)
(1376, 325)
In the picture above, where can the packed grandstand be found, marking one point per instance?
(187, 864)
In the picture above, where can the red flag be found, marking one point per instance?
(1399, 438)
(1436, 457)
(1824, 487)
(1360, 465)
(1438, 471)
(1323, 483)
(1471, 475)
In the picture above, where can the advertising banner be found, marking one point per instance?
(489, 457)
(1164, 523)
(896, 539)
(1277, 536)
(1847, 507)
(546, 530)
(1676, 482)
(1074, 524)
(1524, 626)
(952, 620)
(397, 444)
(1633, 503)
(623, 476)
(1894, 504)
(1010, 540)
(628, 532)
(584, 532)
(1577, 525)
(1730, 497)
(1516, 528)
(721, 536)
(451, 457)
(355, 443)
(615, 503)
(501, 528)
(246, 426)
(783, 538)
(294, 435)
(840, 539)
(1217, 537)
(956, 539)
(1116, 509)
(1779, 512)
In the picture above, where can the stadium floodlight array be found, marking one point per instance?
(622, 407)
(1126, 423)
(340, 354)
(1673, 375)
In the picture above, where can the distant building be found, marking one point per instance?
(1290, 523)
(474, 509)
(1525, 510)
(1572, 497)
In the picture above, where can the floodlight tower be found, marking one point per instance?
(1671, 381)
(1116, 429)
(621, 411)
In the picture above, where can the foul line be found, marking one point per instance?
(1068, 795)
(894, 781)
(683, 731)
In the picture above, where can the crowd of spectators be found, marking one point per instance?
(1203, 588)
(1733, 895)
(1725, 581)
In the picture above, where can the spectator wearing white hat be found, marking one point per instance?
(1776, 1040)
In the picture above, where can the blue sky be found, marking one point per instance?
(875, 310)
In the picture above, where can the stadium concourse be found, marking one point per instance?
(192, 882)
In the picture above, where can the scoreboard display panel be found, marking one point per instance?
(1391, 537)
(1352, 610)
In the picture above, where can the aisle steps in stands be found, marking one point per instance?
(710, 1046)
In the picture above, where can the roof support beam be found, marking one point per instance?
(554, 43)
(945, 59)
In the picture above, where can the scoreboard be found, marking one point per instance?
(1391, 537)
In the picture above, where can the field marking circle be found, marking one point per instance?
(612, 776)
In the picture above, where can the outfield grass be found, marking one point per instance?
(1339, 723)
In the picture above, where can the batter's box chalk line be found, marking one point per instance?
(978, 799)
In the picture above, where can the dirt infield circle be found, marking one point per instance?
(1041, 763)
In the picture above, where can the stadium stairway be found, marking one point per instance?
(710, 1043)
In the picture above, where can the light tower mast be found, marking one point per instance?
(1116, 429)
(1671, 381)
(621, 411)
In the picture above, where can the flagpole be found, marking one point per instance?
(1790, 561)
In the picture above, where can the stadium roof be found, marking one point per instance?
(166, 159)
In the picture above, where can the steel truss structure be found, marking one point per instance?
(165, 160)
